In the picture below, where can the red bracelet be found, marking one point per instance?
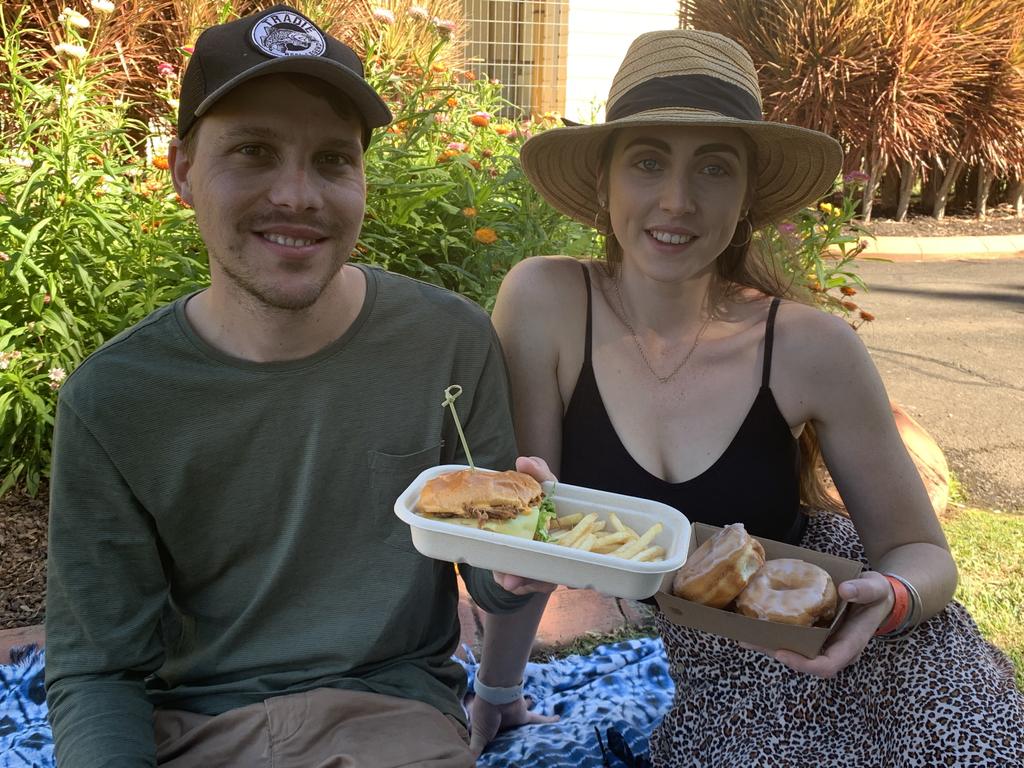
(900, 607)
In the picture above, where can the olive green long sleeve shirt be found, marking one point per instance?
(223, 531)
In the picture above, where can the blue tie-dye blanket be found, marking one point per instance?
(619, 690)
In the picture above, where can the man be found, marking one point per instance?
(228, 584)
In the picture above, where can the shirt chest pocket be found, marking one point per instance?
(390, 474)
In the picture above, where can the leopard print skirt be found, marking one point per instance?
(940, 696)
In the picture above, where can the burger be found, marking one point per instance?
(512, 503)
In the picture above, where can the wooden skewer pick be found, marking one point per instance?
(450, 394)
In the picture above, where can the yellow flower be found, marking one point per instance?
(160, 162)
(827, 208)
(485, 235)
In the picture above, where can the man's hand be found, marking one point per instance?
(871, 598)
(487, 720)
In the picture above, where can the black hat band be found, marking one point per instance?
(690, 91)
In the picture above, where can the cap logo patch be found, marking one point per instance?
(288, 34)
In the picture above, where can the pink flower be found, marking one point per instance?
(445, 26)
(855, 177)
(166, 69)
(457, 146)
(787, 228)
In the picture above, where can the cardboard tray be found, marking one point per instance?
(544, 561)
(766, 634)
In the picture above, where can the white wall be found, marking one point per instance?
(600, 31)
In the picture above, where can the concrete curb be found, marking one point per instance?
(945, 248)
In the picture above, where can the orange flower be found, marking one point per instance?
(848, 305)
(453, 102)
(160, 162)
(485, 235)
(867, 317)
(469, 212)
(475, 164)
(847, 290)
(503, 130)
(480, 119)
(469, 75)
(487, 152)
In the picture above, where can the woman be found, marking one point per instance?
(673, 371)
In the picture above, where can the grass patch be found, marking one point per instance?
(957, 492)
(989, 550)
(586, 643)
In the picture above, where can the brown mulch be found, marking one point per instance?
(23, 519)
(22, 558)
(1001, 220)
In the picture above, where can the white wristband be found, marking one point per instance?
(497, 695)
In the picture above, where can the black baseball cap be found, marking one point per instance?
(273, 41)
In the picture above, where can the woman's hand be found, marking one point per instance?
(871, 598)
(538, 469)
(535, 467)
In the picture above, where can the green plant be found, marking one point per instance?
(817, 248)
(91, 238)
(447, 200)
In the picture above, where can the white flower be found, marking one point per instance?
(70, 50)
(384, 14)
(74, 18)
(419, 12)
(5, 361)
(102, 6)
(57, 375)
(20, 161)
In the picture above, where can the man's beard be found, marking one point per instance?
(268, 296)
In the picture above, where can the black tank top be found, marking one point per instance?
(754, 482)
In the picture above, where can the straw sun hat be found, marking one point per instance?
(685, 77)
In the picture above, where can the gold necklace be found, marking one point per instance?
(639, 347)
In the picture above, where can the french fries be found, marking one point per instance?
(587, 533)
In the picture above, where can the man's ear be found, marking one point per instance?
(180, 165)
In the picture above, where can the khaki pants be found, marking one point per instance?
(323, 728)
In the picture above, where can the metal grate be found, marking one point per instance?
(558, 56)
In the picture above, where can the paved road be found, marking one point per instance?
(949, 342)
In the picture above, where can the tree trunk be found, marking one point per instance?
(888, 191)
(985, 176)
(906, 188)
(930, 186)
(942, 195)
(875, 172)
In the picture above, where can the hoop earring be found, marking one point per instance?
(750, 233)
(597, 215)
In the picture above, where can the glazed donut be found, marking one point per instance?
(790, 592)
(720, 568)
